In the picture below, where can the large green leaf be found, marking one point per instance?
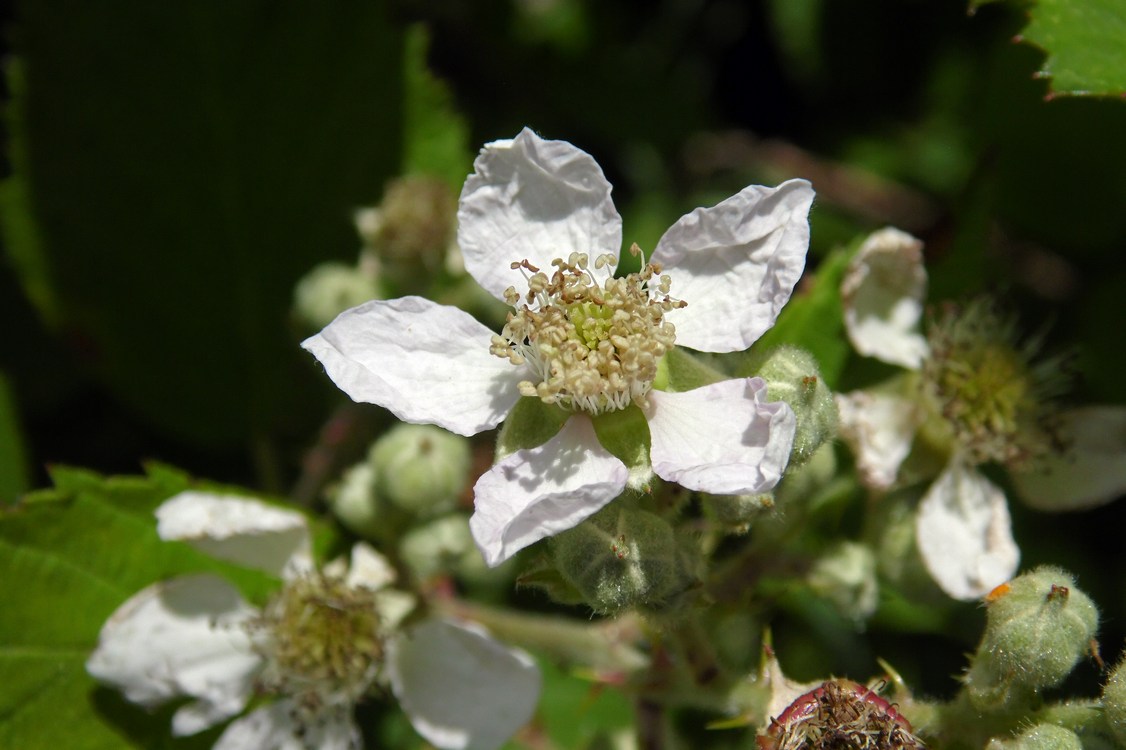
(68, 558)
(178, 167)
(1086, 45)
(435, 135)
(1083, 40)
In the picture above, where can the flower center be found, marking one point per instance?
(995, 399)
(592, 345)
(321, 641)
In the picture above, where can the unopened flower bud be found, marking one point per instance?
(421, 468)
(442, 545)
(623, 558)
(353, 501)
(792, 375)
(846, 576)
(1038, 626)
(1040, 737)
(330, 289)
(1114, 702)
(734, 513)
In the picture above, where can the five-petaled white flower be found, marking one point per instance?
(324, 641)
(987, 399)
(538, 214)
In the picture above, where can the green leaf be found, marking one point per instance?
(178, 167)
(69, 557)
(576, 712)
(436, 136)
(813, 320)
(1085, 45)
(13, 460)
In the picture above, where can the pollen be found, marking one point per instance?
(592, 340)
(321, 641)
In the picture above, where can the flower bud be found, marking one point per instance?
(330, 289)
(421, 468)
(442, 545)
(622, 557)
(792, 375)
(353, 501)
(413, 228)
(1114, 702)
(1040, 737)
(1037, 628)
(734, 513)
(846, 576)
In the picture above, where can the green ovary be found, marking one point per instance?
(592, 322)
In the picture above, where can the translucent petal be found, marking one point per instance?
(427, 363)
(879, 427)
(237, 529)
(965, 535)
(736, 264)
(532, 494)
(184, 637)
(278, 727)
(1090, 471)
(369, 569)
(883, 292)
(461, 689)
(533, 199)
(722, 438)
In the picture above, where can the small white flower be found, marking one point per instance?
(538, 214)
(195, 637)
(962, 527)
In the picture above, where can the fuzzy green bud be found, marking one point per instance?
(622, 558)
(442, 545)
(421, 468)
(353, 500)
(792, 375)
(734, 513)
(1040, 737)
(1037, 628)
(846, 576)
(1114, 702)
(330, 289)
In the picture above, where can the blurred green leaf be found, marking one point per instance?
(1085, 45)
(813, 319)
(177, 168)
(435, 135)
(70, 556)
(13, 461)
(576, 712)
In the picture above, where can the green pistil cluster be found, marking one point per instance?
(985, 385)
(321, 639)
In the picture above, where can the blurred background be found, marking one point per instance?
(173, 169)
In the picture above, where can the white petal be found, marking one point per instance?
(277, 727)
(879, 428)
(369, 569)
(723, 438)
(461, 689)
(184, 637)
(964, 534)
(736, 264)
(1092, 469)
(532, 494)
(427, 363)
(237, 529)
(883, 292)
(531, 199)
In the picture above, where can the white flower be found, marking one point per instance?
(195, 637)
(962, 528)
(583, 340)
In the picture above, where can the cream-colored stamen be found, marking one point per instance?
(592, 346)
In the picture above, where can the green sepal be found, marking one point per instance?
(679, 371)
(543, 575)
(625, 433)
(531, 423)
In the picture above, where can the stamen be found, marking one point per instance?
(593, 346)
